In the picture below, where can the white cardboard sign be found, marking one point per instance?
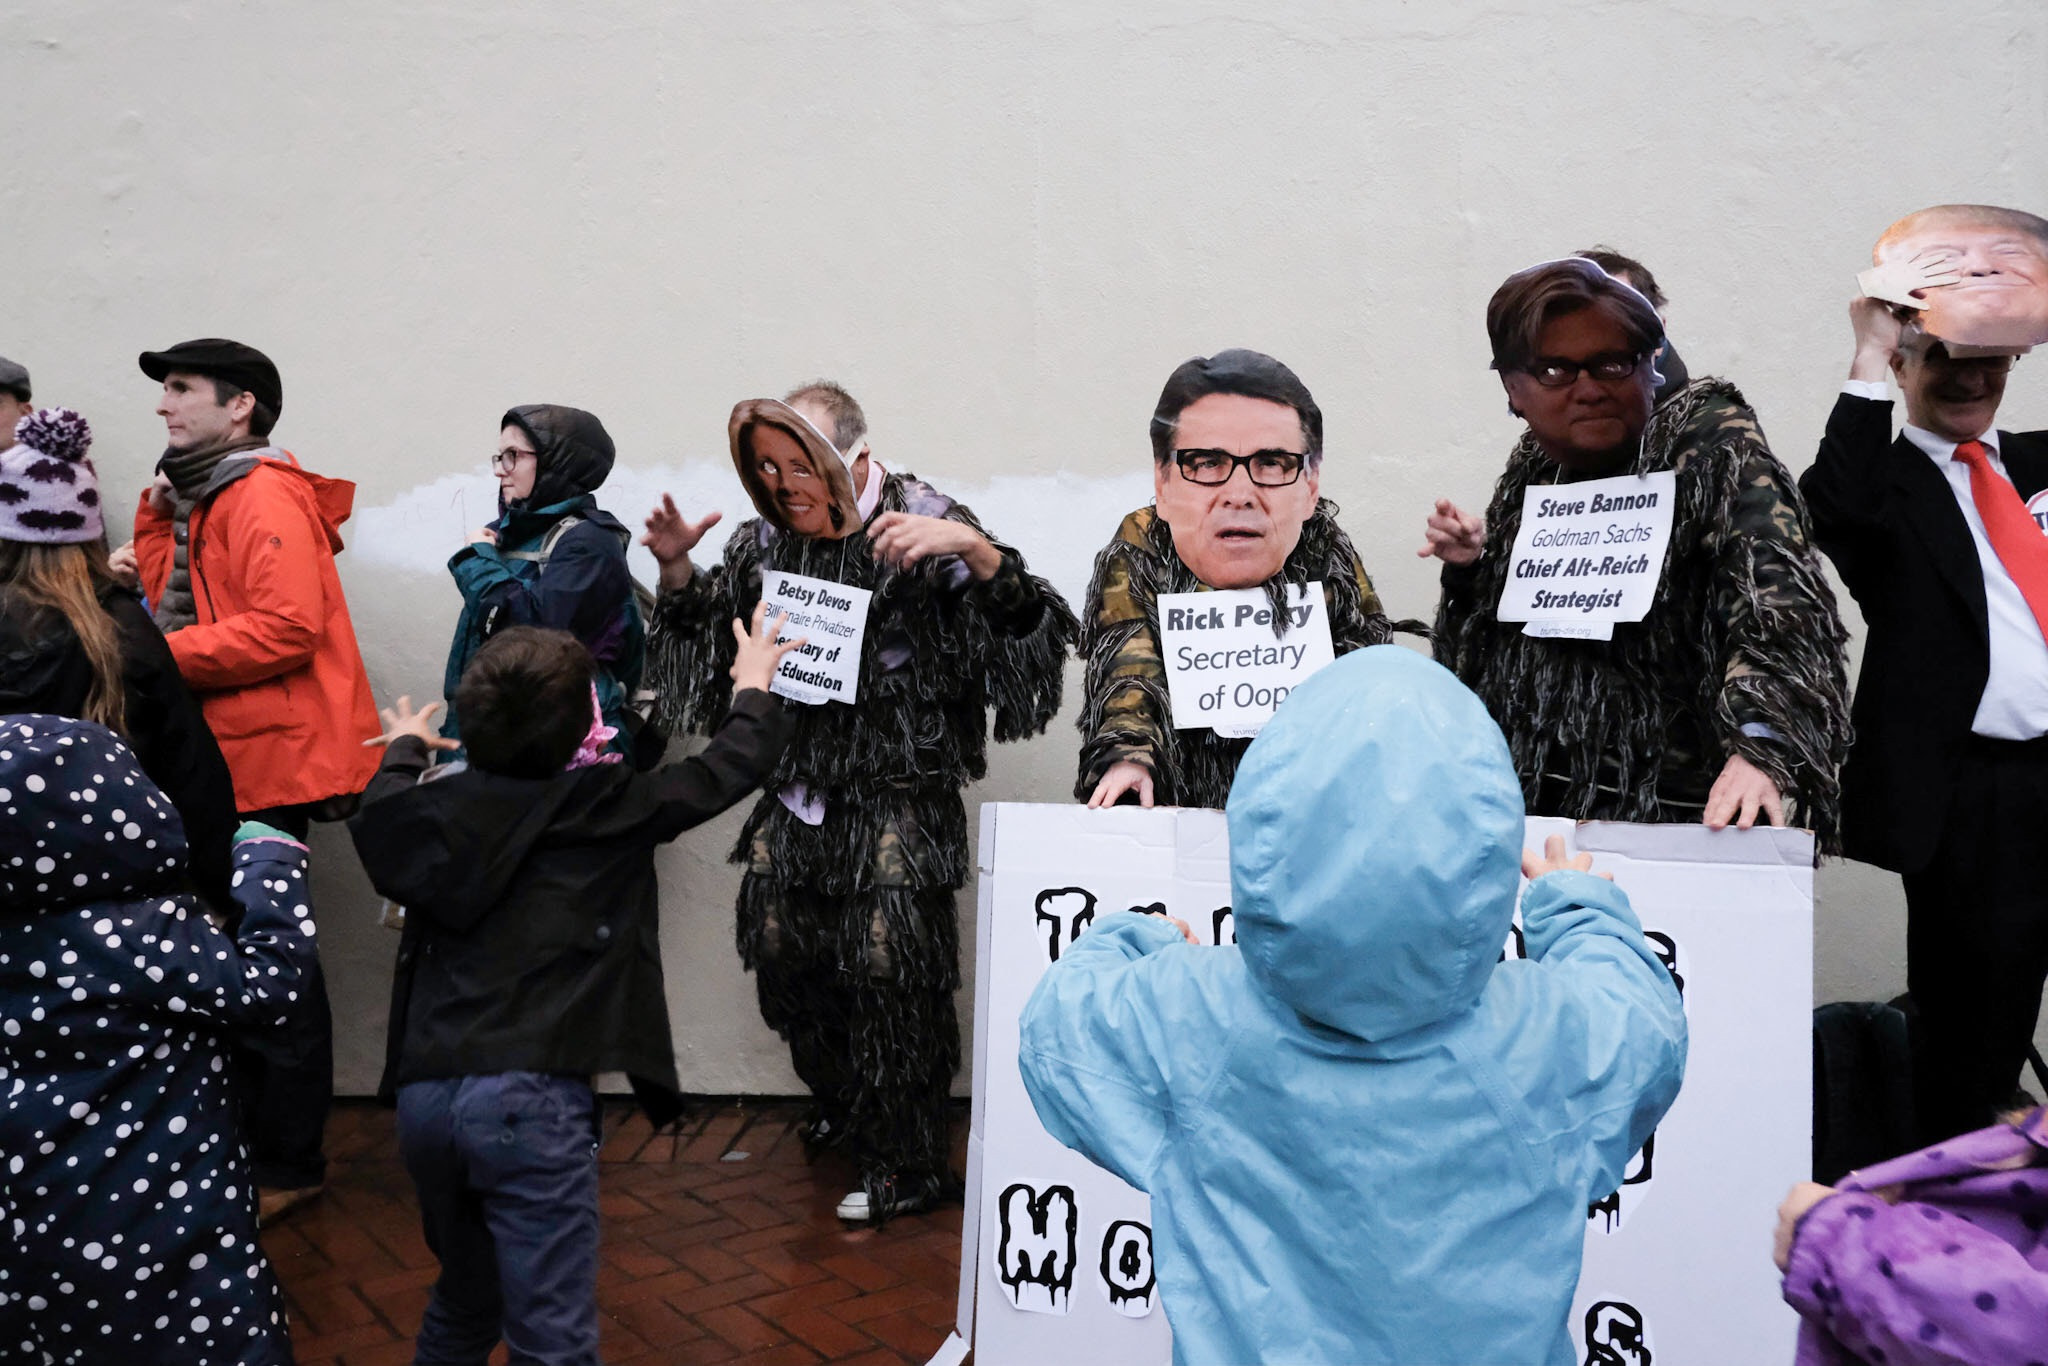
(1589, 554)
(833, 620)
(1225, 669)
(1674, 1257)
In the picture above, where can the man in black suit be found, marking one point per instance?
(1947, 781)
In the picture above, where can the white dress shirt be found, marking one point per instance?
(2015, 701)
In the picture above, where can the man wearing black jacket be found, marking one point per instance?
(531, 961)
(1947, 780)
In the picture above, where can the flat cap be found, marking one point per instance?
(218, 358)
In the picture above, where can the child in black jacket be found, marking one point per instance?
(530, 962)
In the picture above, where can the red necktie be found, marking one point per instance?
(2013, 532)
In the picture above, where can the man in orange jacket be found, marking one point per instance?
(234, 546)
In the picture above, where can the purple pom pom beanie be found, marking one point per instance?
(48, 489)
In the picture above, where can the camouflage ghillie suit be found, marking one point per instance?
(1741, 652)
(1126, 713)
(849, 924)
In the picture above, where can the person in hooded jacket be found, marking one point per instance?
(532, 961)
(1931, 1259)
(552, 558)
(130, 1210)
(1367, 1140)
(75, 642)
(234, 550)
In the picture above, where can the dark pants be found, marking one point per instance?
(877, 1051)
(506, 1168)
(286, 1074)
(1977, 938)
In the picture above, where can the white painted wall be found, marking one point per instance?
(1000, 222)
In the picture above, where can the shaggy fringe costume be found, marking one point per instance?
(849, 926)
(1741, 652)
(1127, 714)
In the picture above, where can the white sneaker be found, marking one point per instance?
(856, 1208)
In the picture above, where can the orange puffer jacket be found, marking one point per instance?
(272, 655)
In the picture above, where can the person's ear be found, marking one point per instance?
(1508, 389)
(241, 406)
(1162, 470)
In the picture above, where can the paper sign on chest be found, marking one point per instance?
(1225, 668)
(832, 619)
(1589, 554)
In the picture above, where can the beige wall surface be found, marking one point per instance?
(1000, 222)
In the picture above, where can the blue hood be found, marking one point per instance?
(1375, 846)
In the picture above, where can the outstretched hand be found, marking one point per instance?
(1740, 794)
(1125, 775)
(1453, 536)
(1878, 331)
(1802, 1197)
(671, 537)
(401, 720)
(123, 565)
(1553, 860)
(1186, 931)
(901, 539)
(1900, 281)
(760, 654)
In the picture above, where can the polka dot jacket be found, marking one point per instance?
(130, 1217)
(1955, 1271)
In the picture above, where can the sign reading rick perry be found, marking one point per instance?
(1208, 607)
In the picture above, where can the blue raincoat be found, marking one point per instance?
(1367, 1140)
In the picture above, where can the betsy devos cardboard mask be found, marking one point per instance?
(791, 470)
(1977, 273)
(1237, 445)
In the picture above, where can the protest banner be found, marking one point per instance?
(1056, 1257)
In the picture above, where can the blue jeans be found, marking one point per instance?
(506, 1169)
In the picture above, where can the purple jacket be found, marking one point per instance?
(1955, 1272)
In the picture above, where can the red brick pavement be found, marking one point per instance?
(719, 1245)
